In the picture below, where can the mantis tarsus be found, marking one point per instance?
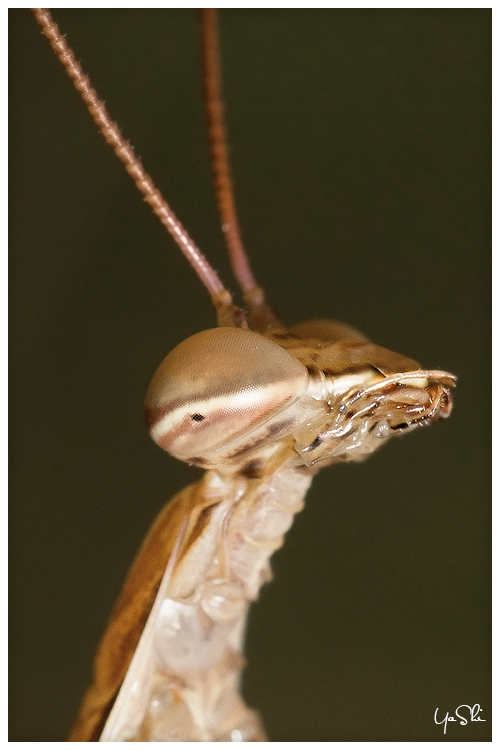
(135, 139)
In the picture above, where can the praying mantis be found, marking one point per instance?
(340, 291)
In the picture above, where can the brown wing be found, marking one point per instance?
(131, 612)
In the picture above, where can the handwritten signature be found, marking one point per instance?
(474, 715)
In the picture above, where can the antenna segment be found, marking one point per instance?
(111, 132)
(260, 316)
(217, 137)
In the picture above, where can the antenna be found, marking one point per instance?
(228, 314)
(261, 316)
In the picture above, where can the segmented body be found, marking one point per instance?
(191, 690)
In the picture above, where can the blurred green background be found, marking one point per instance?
(361, 154)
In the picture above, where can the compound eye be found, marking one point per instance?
(216, 386)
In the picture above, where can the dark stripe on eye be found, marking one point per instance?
(249, 447)
(271, 430)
